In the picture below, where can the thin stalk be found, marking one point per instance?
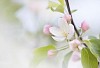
(62, 49)
(69, 10)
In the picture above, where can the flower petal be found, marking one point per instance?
(62, 23)
(75, 56)
(55, 31)
(58, 38)
(70, 31)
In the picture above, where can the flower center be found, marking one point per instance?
(64, 34)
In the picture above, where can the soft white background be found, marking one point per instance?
(16, 46)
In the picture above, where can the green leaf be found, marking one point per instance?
(73, 11)
(95, 47)
(66, 60)
(62, 2)
(52, 4)
(60, 8)
(92, 37)
(57, 7)
(41, 53)
(88, 59)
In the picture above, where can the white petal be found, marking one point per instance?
(75, 56)
(59, 38)
(70, 31)
(71, 28)
(62, 23)
(55, 31)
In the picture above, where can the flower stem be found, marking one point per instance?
(62, 48)
(69, 10)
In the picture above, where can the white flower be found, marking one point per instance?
(68, 18)
(63, 31)
(74, 45)
(75, 56)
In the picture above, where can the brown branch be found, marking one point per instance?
(69, 10)
(68, 7)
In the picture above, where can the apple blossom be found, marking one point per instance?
(67, 17)
(62, 31)
(46, 29)
(84, 26)
(75, 56)
(52, 52)
(74, 44)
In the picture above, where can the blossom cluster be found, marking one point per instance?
(65, 31)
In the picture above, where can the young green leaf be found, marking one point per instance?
(52, 4)
(41, 53)
(73, 10)
(60, 8)
(88, 59)
(62, 2)
(66, 60)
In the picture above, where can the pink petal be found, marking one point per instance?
(75, 56)
(84, 26)
(46, 29)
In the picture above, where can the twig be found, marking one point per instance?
(68, 7)
(69, 10)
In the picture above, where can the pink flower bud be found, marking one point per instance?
(52, 52)
(74, 44)
(84, 26)
(75, 56)
(46, 29)
(67, 18)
